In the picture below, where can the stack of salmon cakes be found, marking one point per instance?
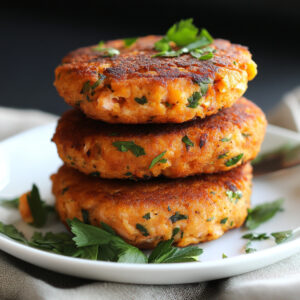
(159, 141)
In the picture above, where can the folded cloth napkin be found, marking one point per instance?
(20, 280)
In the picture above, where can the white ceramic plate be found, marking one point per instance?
(31, 157)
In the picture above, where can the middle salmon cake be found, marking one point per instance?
(218, 143)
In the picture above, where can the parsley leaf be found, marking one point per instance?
(234, 195)
(234, 160)
(158, 159)
(194, 100)
(166, 253)
(262, 213)
(13, 203)
(183, 32)
(224, 256)
(37, 207)
(147, 216)
(223, 221)
(124, 146)
(107, 52)
(255, 236)
(130, 41)
(12, 232)
(177, 217)
(282, 236)
(142, 229)
(187, 141)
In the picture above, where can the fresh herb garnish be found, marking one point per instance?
(12, 232)
(142, 229)
(106, 52)
(234, 160)
(234, 195)
(223, 221)
(125, 146)
(130, 41)
(185, 36)
(194, 100)
(255, 236)
(147, 216)
(224, 256)
(88, 89)
(175, 231)
(141, 101)
(166, 253)
(249, 249)
(223, 155)
(226, 139)
(12, 203)
(158, 159)
(282, 236)
(262, 213)
(187, 141)
(177, 217)
(37, 207)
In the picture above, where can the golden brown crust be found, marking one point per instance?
(87, 145)
(202, 199)
(167, 83)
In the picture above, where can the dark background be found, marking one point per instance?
(35, 35)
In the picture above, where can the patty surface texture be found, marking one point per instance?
(202, 207)
(217, 143)
(135, 87)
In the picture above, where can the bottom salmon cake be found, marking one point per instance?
(191, 210)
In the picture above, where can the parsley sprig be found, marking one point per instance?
(106, 51)
(184, 35)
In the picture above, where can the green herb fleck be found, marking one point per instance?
(223, 221)
(175, 231)
(226, 139)
(194, 100)
(142, 229)
(224, 256)
(147, 216)
(255, 236)
(281, 237)
(158, 159)
(125, 146)
(234, 160)
(12, 203)
(177, 217)
(223, 155)
(210, 219)
(188, 142)
(141, 101)
(106, 52)
(130, 41)
(262, 213)
(234, 195)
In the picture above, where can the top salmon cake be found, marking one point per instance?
(117, 83)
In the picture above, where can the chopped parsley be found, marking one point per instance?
(147, 216)
(282, 236)
(223, 221)
(248, 248)
(142, 229)
(262, 213)
(223, 155)
(226, 139)
(194, 100)
(141, 101)
(255, 236)
(158, 159)
(175, 231)
(234, 195)
(89, 89)
(130, 41)
(12, 203)
(224, 256)
(188, 142)
(234, 160)
(106, 52)
(184, 35)
(177, 217)
(125, 146)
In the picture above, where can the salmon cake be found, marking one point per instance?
(218, 143)
(135, 86)
(191, 210)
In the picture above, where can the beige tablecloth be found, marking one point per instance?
(20, 280)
